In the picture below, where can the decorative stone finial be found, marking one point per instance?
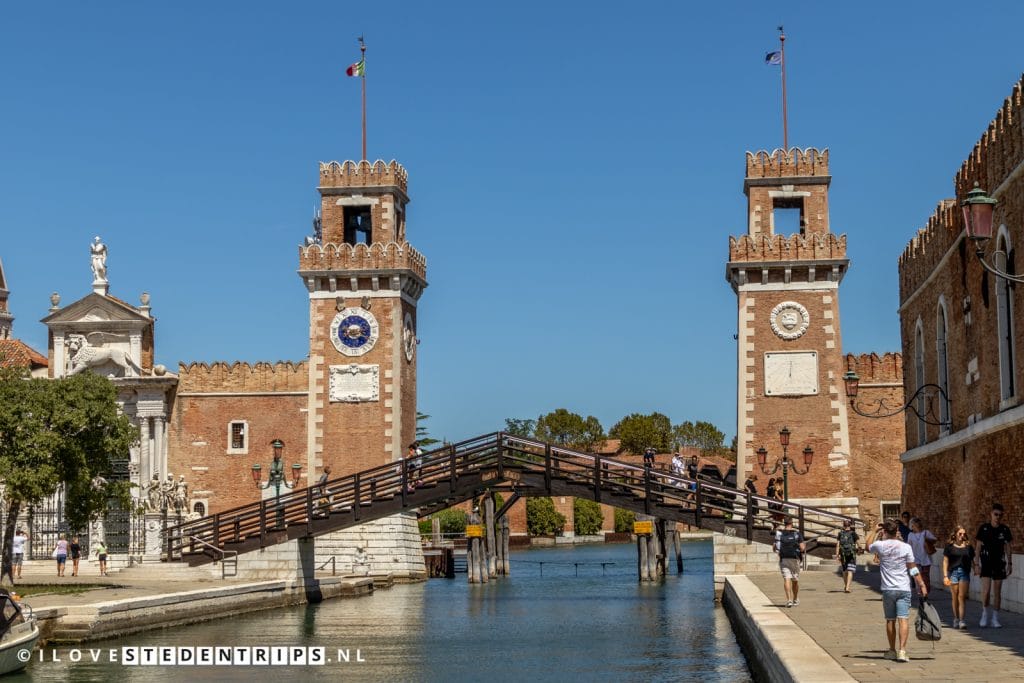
(54, 301)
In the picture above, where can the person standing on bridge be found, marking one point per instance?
(894, 558)
(790, 546)
(649, 453)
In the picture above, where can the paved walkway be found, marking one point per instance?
(851, 628)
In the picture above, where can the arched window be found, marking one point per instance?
(941, 330)
(1004, 311)
(922, 400)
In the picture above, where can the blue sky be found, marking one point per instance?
(575, 172)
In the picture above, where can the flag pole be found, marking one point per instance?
(362, 58)
(785, 124)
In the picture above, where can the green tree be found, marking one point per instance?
(703, 435)
(624, 521)
(587, 517)
(571, 430)
(541, 517)
(453, 520)
(55, 432)
(523, 428)
(422, 437)
(636, 432)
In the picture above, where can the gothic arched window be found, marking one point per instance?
(922, 400)
(1004, 311)
(942, 357)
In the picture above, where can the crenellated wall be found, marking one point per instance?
(363, 174)
(790, 162)
(370, 257)
(872, 368)
(763, 247)
(221, 377)
(929, 246)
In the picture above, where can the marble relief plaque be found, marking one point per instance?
(354, 383)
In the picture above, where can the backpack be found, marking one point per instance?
(789, 544)
(927, 626)
(847, 544)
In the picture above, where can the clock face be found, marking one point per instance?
(354, 331)
(409, 337)
(791, 374)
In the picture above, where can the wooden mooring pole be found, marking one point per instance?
(492, 566)
(505, 533)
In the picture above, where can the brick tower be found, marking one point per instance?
(790, 362)
(364, 280)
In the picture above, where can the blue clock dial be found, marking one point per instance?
(354, 331)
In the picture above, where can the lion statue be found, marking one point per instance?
(84, 355)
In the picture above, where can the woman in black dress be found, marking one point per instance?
(76, 555)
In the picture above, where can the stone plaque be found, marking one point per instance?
(791, 374)
(354, 383)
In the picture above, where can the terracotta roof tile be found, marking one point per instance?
(15, 353)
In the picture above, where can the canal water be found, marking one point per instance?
(560, 616)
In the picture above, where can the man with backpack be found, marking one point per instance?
(789, 544)
(846, 553)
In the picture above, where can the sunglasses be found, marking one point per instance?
(997, 514)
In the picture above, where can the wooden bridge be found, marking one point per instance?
(494, 462)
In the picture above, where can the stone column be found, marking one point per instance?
(145, 459)
(59, 360)
(160, 455)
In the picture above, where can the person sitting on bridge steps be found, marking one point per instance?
(790, 546)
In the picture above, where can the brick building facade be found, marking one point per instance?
(959, 328)
(790, 362)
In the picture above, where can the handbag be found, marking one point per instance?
(54, 553)
(929, 546)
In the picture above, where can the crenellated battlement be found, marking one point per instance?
(363, 174)
(763, 247)
(237, 377)
(929, 245)
(875, 369)
(1000, 149)
(371, 257)
(783, 163)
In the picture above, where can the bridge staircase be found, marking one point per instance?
(493, 462)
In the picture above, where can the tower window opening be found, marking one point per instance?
(358, 227)
(788, 216)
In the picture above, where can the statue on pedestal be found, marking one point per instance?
(153, 494)
(181, 495)
(98, 251)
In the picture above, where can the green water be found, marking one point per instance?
(571, 623)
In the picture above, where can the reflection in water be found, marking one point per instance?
(594, 627)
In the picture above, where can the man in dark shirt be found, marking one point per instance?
(904, 526)
(993, 561)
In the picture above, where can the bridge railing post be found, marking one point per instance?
(263, 523)
(501, 455)
(405, 479)
(647, 490)
(597, 478)
(698, 501)
(451, 469)
(750, 516)
(357, 494)
(309, 509)
(547, 467)
(800, 520)
(216, 530)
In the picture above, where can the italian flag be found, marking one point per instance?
(357, 69)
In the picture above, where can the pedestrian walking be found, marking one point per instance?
(993, 562)
(76, 555)
(895, 558)
(101, 555)
(957, 559)
(18, 552)
(60, 553)
(649, 457)
(790, 547)
(904, 526)
(922, 542)
(846, 553)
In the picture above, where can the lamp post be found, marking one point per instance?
(785, 463)
(276, 477)
(978, 208)
(924, 409)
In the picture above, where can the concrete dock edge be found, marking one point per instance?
(776, 649)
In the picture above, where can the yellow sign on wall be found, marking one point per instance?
(474, 531)
(642, 528)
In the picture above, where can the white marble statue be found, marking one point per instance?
(153, 494)
(84, 355)
(181, 495)
(98, 250)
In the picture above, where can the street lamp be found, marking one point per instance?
(978, 208)
(785, 463)
(924, 409)
(276, 478)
